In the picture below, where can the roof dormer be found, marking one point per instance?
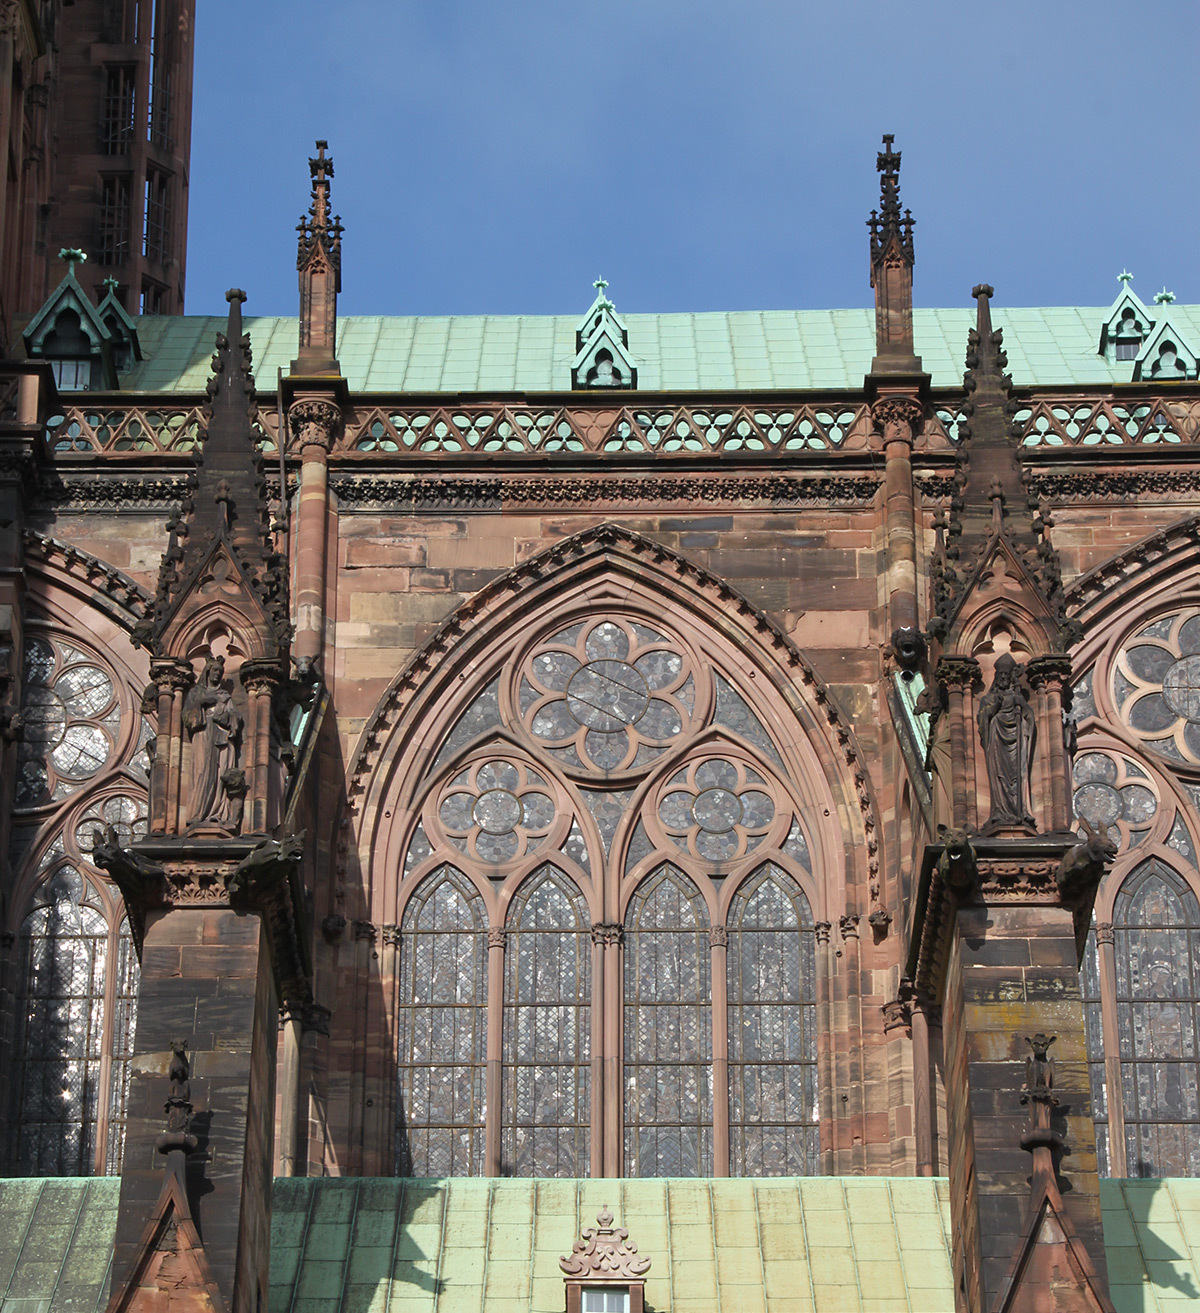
(602, 358)
(1165, 356)
(1128, 324)
(122, 329)
(69, 333)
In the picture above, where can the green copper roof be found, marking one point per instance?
(743, 350)
(850, 1245)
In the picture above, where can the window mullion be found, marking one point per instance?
(1112, 1051)
(495, 1050)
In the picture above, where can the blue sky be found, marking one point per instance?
(493, 158)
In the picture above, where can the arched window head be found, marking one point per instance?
(546, 1121)
(442, 997)
(76, 1001)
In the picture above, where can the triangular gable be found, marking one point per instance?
(601, 314)
(1128, 320)
(68, 295)
(1165, 357)
(603, 362)
(113, 315)
(171, 1274)
(1051, 1268)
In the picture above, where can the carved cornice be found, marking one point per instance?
(1113, 485)
(90, 492)
(370, 492)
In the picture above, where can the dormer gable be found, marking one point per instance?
(602, 358)
(69, 333)
(1128, 325)
(1166, 356)
(122, 329)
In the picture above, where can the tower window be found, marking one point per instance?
(157, 215)
(114, 221)
(117, 119)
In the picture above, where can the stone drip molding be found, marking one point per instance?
(127, 598)
(474, 614)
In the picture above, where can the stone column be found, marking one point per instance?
(610, 937)
(958, 675)
(718, 938)
(314, 423)
(897, 417)
(497, 936)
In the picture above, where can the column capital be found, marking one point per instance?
(314, 422)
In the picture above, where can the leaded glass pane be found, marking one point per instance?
(124, 1021)
(1156, 923)
(668, 1030)
(1089, 984)
(546, 1121)
(443, 1029)
(60, 1011)
(772, 1030)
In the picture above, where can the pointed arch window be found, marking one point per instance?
(546, 1115)
(668, 1031)
(1156, 926)
(772, 1029)
(76, 1003)
(443, 992)
(569, 1002)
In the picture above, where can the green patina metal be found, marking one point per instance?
(768, 1246)
(737, 351)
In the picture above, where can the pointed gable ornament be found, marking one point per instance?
(892, 259)
(1128, 323)
(172, 1273)
(1050, 1268)
(319, 265)
(1166, 356)
(604, 1259)
(602, 358)
(68, 327)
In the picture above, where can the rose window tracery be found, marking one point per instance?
(714, 809)
(72, 715)
(1115, 795)
(497, 810)
(125, 813)
(607, 695)
(1156, 686)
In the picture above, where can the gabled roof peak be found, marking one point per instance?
(602, 358)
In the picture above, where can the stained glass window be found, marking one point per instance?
(668, 1030)
(547, 1031)
(584, 763)
(60, 1046)
(772, 990)
(1156, 922)
(443, 1029)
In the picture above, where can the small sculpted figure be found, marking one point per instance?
(1006, 730)
(215, 726)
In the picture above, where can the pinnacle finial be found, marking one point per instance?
(1124, 277)
(1164, 297)
(316, 228)
(111, 283)
(73, 255)
(601, 285)
(888, 226)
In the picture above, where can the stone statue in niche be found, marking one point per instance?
(1007, 732)
(214, 725)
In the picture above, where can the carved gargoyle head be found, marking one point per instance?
(908, 647)
(956, 865)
